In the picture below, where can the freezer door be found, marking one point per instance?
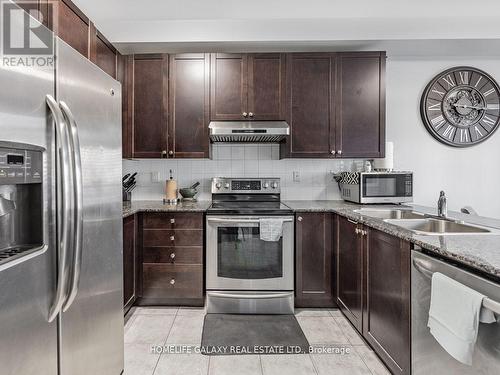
(92, 326)
(28, 343)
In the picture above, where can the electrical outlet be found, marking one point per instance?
(155, 177)
(296, 176)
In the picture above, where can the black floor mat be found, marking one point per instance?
(225, 334)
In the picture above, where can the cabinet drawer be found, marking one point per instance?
(174, 255)
(172, 281)
(173, 221)
(169, 237)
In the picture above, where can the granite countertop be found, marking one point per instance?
(130, 208)
(481, 252)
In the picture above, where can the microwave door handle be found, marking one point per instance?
(64, 206)
(78, 197)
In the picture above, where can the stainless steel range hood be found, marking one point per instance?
(248, 131)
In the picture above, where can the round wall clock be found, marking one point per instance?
(461, 106)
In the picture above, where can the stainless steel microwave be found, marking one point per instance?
(376, 187)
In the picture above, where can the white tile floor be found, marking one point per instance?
(183, 326)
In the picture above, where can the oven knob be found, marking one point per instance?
(218, 185)
(274, 185)
(226, 185)
(266, 185)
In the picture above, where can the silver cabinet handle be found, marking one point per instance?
(172, 256)
(300, 218)
(170, 152)
(65, 203)
(163, 153)
(172, 221)
(333, 152)
(172, 282)
(172, 238)
(78, 200)
(250, 114)
(356, 230)
(339, 152)
(244, 114)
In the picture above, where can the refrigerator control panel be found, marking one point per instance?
(20, 166)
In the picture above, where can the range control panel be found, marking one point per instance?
(20, 166)
(226, 185)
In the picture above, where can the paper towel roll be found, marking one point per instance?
(171, 190)
(387, 163)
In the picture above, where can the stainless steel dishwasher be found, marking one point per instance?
(428, 357)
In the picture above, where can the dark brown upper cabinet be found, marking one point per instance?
(102, 52)
(149, 85)
(189, 84)
(314, 260)
(387, 319)
(349, 254)
(72, 26)
(124, 76)
(310, 112)
(266, 86)
(360, 124)
(247, 86)
(335, 105)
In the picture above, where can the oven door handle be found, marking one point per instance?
(241, 221)
(249, 296)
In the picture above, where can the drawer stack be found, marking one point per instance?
(172, 259)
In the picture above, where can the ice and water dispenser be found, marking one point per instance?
(21, 200)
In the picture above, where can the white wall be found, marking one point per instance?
(470, 176)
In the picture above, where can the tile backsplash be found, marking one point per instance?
(314, 180)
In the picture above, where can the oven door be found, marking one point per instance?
(237, 259)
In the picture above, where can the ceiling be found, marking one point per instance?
(443, 27)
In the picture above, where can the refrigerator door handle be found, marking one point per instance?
(65, 206)
(78, 199)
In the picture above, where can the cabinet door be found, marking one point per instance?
(387, 309)
(310, 91)
(189, 106)
(150, 89)
(125, 76)
(102, 52)
(350, 271)
(314, 258)
(360, 125)
(129, 262)
(266, 86)
(72, 26)
(228, 99)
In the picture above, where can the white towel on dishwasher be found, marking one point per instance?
(271, 229)
(454, 316)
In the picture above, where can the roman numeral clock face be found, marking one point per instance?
(461, 106)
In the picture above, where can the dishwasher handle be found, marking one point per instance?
(488, 303)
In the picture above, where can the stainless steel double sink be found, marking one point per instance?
(421, 223)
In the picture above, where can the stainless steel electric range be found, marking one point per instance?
(245, 274)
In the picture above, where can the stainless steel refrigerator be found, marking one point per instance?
(61, 306)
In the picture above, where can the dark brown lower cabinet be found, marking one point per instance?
(314, 260)
(172, 259)
(386, 323)
(349, 255)
(129, 262)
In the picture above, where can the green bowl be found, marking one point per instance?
(188, 192)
